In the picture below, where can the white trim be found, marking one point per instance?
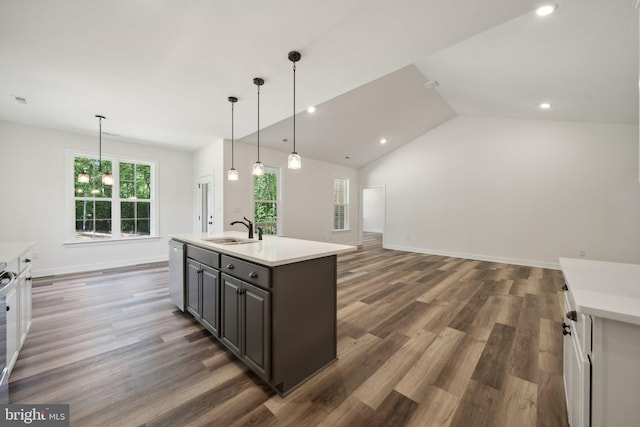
(109, 241)
(97, 266)
(477, 257)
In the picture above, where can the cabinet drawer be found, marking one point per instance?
(247, 271)
(210, 258)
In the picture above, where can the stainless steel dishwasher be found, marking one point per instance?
(176, 272)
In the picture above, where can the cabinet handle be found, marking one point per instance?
(564, 325)
(572, 315)
(566, 332)
(8, 308)
(253, 275)
(29, 278)
(27, 260)
(230, 267)
(565, 287)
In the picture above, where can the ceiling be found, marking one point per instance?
(161, 70)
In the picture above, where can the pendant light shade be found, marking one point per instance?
(83, 177)
(232, 175)
(107, 178)
(258, 167)
(294, 161)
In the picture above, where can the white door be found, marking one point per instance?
(204, 208)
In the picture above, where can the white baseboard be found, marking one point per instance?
(502, 260)
(96, 266)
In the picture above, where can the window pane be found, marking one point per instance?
(127, 210)
(143, 190)
(126, 190)
(84, 209)
(144, 210)
(143, 227)
(338, 217)
(103, 228)
(103, 210)
(127, 226)
(126, 171)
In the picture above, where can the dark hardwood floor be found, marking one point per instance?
(423, 340)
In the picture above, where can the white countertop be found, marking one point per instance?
(605, 289)
(272, 251)
(11, 251)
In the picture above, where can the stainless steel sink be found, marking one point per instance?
(228, 240)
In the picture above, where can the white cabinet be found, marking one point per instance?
(18, 257)
(602, 343)
(24, 295)
(12, 328)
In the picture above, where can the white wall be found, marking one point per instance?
(307, 194)
(373, 209)
(32, 194)
(519, 191)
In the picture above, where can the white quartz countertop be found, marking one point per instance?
(605, 289)
(11, 251)
(271, 251)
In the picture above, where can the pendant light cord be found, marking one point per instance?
(100, 144)
(294, 107)
(258, 122)
(232, 135)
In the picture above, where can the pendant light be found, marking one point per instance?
(258, 167)
(294, 161)
(232, 175)
(107, 178)
(83, 177)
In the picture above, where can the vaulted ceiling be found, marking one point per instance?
(161, 70)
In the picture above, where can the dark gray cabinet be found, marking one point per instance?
(203, 287)
(246, 323)
(203, 294)
(280, 320)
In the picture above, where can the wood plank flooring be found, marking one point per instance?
(423, 340)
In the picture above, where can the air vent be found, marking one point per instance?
(20, 99)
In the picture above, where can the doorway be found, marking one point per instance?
(204, 208)
(373, 210)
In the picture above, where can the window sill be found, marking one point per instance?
(346, 230)
(111, 241)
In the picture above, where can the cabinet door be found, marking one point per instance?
(24, 300)
(579, 402)
(12, 328)
(230, 313)
(193, 288)
(210, 299)
(256, 309)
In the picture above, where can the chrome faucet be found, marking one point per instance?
(247, 224)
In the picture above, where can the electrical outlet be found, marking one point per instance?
(582, 252)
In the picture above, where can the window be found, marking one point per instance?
(265, 199)
(340, 204)
(93, 201)
(135, 188)
(121, 211)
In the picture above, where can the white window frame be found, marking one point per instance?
(115, 199)
(347, 183)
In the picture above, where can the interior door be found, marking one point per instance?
(205, 203)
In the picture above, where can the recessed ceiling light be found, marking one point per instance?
(383, 141)
(545, 105)
(546, 9)
(311, 109)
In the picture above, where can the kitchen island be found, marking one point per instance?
(271, 302)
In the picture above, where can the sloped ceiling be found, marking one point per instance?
(161, 70)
